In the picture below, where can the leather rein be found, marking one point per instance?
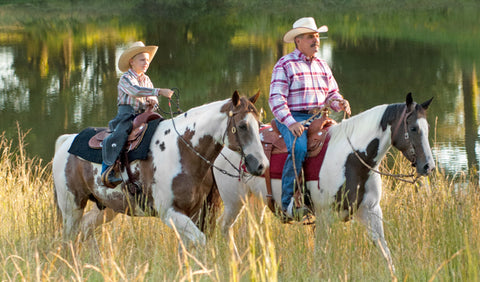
(231, 114)
(401, 177)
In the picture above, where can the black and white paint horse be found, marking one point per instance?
(344, 181)
(181, 152)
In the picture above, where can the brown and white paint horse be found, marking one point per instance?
(344, 182)
(172, 175)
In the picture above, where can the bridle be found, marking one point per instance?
(231, 119)
(401, 177)
(403, 118)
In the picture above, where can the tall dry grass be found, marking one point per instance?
(433, 230)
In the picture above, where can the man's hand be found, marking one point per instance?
(296, 129)
(345, 105)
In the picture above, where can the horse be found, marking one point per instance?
(346, 179)
(181, 151)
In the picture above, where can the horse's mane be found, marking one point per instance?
(225, 106)
(358, 124)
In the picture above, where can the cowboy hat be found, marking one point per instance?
(301, 26)
(134, 49)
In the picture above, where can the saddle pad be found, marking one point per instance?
(80, 146)
(311, 166)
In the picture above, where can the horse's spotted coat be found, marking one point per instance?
(344, 182)
(175, 181)
(349, 197)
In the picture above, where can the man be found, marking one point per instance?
(301, 82)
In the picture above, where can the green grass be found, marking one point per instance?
(432, 230)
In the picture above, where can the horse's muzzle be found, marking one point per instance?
(254, 166)
(426, 169)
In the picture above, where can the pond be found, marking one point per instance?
(59, 75)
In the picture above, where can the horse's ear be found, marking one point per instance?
(254, 98)
(409, 98)
(426, 104)
(235, 98)
(409, 101)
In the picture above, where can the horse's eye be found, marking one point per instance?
(243, 126)
(413, 129)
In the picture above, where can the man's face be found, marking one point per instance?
(140, 63)
(308, 43)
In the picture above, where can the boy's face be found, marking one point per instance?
(140, 63)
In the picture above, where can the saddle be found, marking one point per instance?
(273, 144)
(317, 133)
(140, 124)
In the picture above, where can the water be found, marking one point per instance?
(58, 77)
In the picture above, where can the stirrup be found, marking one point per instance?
(109, 179)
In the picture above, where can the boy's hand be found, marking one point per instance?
(166, 92)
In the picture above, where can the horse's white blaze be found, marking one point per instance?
(424, 128)
(251, 148)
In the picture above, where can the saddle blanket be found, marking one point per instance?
(311, 166)
(80, 146)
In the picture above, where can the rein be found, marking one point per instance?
(321, 111)
(400, 177)
(234, 129)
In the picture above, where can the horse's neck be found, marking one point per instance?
(360, 130)
(201, 127)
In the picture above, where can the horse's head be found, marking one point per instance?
(242, 132)
(410, 135)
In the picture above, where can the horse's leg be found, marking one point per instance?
(94, 218)
(324, 219)
(232, 205)
(233, 202)
(370, 214)
(71, 212)
(186, 228)
(373, 219)
(233, 193)
(70, 206)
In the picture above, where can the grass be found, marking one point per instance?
(432, 229)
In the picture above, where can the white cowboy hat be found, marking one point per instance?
(301, 26)
(134, 49)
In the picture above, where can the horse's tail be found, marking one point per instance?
(211, 205)
(58, 214)
(60, 140)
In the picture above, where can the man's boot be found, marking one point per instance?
(294, 212)
(110, 178)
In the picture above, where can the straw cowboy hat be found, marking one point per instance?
(134, 49)
(301, 26)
